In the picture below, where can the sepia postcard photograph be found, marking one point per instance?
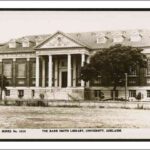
(79, 74)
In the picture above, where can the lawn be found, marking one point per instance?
(63, 117)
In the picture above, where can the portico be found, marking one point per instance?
(58, 62)
(61, 70)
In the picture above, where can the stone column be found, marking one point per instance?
(82, 64)
(69, 71)
(50, 71)
(88, 61)
(74, 71)
(28, 71)
(37, 70)
(43, 72)
(14, 71)
(56, 72)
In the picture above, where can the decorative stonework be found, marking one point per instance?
(60, 40)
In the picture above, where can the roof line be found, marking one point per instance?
(64, 34)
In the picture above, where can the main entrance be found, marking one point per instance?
(64, 79)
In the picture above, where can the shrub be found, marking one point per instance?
(41, 96)
(102, 96)
(139, 96)
(18, 103)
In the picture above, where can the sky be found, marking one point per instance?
(15, 24)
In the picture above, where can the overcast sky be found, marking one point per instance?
(14, 24)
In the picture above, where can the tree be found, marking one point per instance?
(112, 63)
(3, 84)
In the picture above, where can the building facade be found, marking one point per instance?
(49, 65)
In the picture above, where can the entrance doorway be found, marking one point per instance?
(64, 79)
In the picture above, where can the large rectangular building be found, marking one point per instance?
(49, 65)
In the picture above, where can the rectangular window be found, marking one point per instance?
(132, 71)
(148, 67)
(132, 81)
(148, 81)
(20, 93)
(63, 63)
(97, 93)
(21, 70)
(148, 93)
(132, 93)
(7, 92)
(114, 92)
(7, 70)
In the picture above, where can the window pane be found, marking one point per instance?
(7, 70)
(132, 93)
(148, 93)
(21, 70)
(132, 71)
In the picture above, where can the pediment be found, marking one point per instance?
(59, 40)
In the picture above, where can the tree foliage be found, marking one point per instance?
(113, 63)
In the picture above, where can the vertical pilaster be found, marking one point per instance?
(37, 70)
(56, 72)
(14, 72)
(69, 71)
(1, 66)
(88, 61)
(74, 72)
(82, 64)
(28, 71)
(43, 72)
(50, 71)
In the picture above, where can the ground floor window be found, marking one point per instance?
(20, 93)
(148, 93)
(7, 92)
(132, 93)
(97, 93)
(114, 92)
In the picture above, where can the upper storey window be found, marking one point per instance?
(135, 36)
(117, 38)
(25, 42)
(12, 43)
(101, 38)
